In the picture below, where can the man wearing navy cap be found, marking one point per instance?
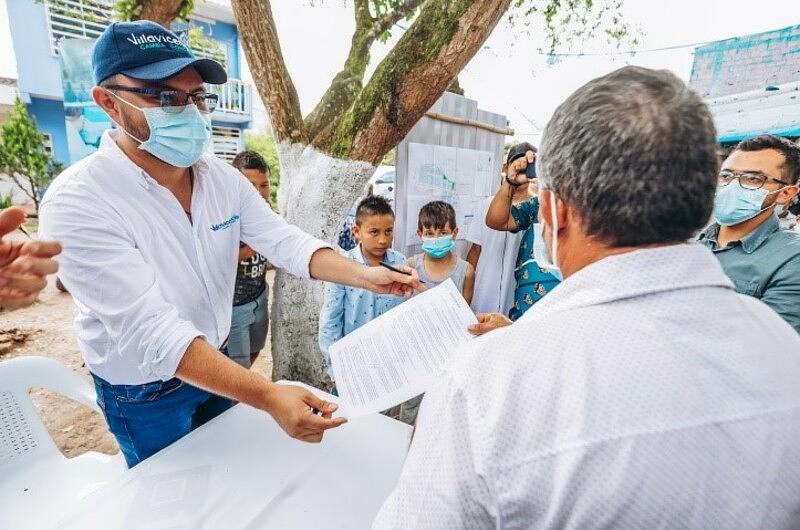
(151, 225)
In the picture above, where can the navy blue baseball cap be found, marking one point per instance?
(146, 51)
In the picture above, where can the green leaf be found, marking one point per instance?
(265, 146)
(23, 158)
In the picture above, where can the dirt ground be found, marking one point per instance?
(46, 329)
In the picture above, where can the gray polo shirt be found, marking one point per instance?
(764, 264)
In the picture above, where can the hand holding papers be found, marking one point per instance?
(395, 357)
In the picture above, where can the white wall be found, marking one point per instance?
(8, 61)
(6, 187)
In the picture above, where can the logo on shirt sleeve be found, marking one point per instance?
(225, 224)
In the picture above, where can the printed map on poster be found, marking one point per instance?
(461, 177)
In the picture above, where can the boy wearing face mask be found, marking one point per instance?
(436, 226)
(757, 183)
(438, 262)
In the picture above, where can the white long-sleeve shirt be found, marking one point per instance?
(145, 279)
(642, 392)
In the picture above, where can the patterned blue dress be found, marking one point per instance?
(533, 282)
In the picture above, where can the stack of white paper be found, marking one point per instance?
(395, 357)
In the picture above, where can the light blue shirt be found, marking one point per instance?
(765, 264)
(348, 308)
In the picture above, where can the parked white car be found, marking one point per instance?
(383, 183)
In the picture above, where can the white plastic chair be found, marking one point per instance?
(37, 482)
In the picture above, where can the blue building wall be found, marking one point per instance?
(38, 69)
(226, 34)
(49, 116)
(747, 63)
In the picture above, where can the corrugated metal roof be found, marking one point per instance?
(747, 63)
(751, 83)
(747, 114)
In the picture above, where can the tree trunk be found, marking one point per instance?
(160, 11)
(315, 194)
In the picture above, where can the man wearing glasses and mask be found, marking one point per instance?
(757, 182)
(150, 226)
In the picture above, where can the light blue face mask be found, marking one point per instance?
(734, 204)
(438, 247)
(540, 252)
(178, 138)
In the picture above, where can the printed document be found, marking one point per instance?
(396, 356)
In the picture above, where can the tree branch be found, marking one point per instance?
(363, 16)
(440, 42)
(393, 17)
(159, 11)
(263, 52)
(455, 87)
(29, 190)
(349, 81)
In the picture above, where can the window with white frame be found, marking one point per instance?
(227, 142)
(207, 47)
(47, 142)
(84, 19)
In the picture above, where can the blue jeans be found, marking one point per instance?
(147, 418)
(249, 325)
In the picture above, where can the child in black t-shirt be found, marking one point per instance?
(250, 319)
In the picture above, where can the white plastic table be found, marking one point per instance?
(242, 471)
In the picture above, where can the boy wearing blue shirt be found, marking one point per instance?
(346, 309)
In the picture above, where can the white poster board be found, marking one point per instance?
(461, 177)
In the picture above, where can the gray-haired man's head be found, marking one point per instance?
(634, 153)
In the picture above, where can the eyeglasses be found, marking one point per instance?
(173, 101)
(749, 180)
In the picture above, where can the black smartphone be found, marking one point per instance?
(530, 170)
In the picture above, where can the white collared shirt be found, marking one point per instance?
(494, 273)
(146, 280)
(643, 392)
